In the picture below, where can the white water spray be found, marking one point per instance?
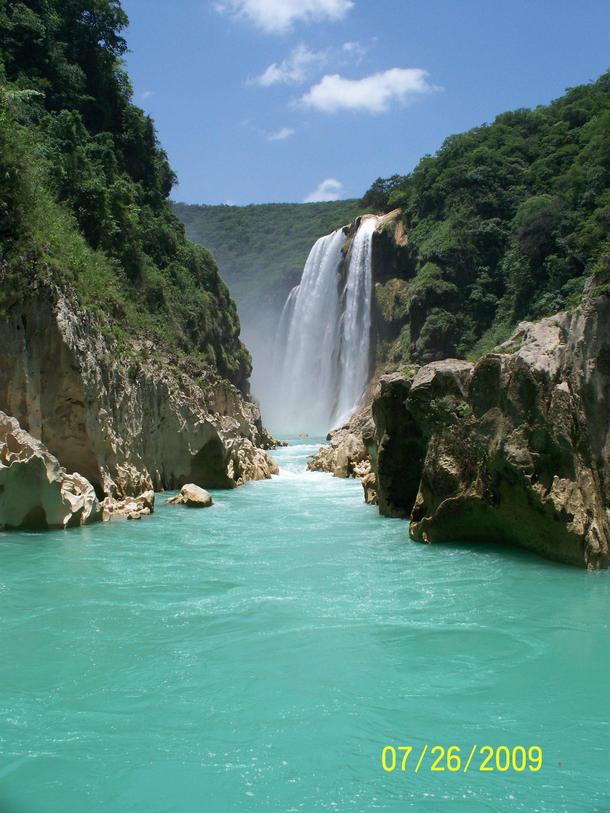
(322, 352)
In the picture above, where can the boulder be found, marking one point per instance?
(246, 462)
(192, 496)
(35, 491)
(345, 457)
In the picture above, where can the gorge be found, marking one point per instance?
(428, 364)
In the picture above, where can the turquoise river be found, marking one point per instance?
(260, 654)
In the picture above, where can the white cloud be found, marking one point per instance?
(296, 68)
(278, 16)
(329, 189)
(146, 94)
(356, 51)
(304, 63)
(281, 135)
(372, 94)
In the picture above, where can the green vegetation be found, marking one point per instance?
(505, 223)
(84, 189)
(261, 249)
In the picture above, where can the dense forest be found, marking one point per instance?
(261, 249)
(505, 223)
(84, 189)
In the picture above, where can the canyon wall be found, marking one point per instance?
(513, 449)
(128, 420)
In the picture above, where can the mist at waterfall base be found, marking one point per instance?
(312, 375)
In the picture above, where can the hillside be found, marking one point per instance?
(504, 223)
(84, 190)
(261, 249)
(122, 369)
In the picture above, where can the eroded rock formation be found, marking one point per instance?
(129, 508)
(127, 421)
(35, 490)
(513, 449)
(347, 454)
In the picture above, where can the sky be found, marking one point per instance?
(259, 101)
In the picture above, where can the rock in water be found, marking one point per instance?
(192, 496)
(347, 455)
(35, 491)
(513, 449)
(131, 507)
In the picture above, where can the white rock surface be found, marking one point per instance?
(35, 491)
(192, 496)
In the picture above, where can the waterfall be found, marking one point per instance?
(322, 349)
(355, 334)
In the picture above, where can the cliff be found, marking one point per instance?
(121, 344)
(513, 449)
(127, 422)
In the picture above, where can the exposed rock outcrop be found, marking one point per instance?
(128, 422)
(246, 462)
(35, 491)
(192, 496)
(513, 449)
(345, 457)
(130, 508)
(348, 455)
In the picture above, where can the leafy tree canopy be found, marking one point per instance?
(512, 215)
(84, 187)
(261, 249)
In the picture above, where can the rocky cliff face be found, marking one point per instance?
(127, 422)
(393, 266)
(513, 449)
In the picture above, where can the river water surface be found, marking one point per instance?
(258, 655)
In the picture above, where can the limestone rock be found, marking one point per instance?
(514, 449)
(35, 491)
(344, 455)
(192, 496)
(131, 507)
(347, 455)
(369, 484)
(127, 421)
(247, 462)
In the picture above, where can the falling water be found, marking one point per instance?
(323, 338)
(354, 362)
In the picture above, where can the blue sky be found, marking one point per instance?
(287, 100)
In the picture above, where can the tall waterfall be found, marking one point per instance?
(322, 352)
